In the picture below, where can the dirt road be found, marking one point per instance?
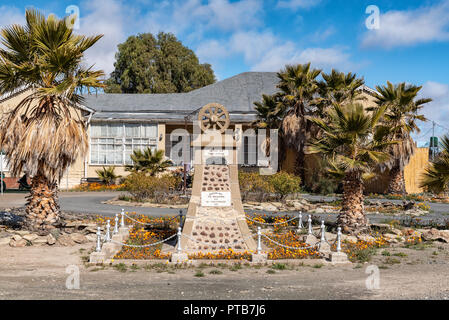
(40, 273)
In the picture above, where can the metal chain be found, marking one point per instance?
(271, 224)
(288, 247)
(146, 245)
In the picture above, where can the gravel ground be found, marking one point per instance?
(40, 273)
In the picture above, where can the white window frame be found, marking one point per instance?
(152, 141)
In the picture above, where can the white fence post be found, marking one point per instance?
(122, 222)
(98, 248)
(310, 224)
(179, 249)
(108, 232)
(116, 224)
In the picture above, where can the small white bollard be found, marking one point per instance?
(179, 249)
(338, 239)
(309, 221)
(108, 232)
(300, 226)
(98, 248)
(116, 224)
(122, 222)
(323, 231)
(259, 242)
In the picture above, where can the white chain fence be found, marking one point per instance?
(107, 236)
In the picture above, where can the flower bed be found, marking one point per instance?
(95, 186)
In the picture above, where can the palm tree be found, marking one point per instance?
(338, 87)
(436, 176)
(401, 115)
(298, 87)
(44, 134)
(107, 175)
(353, 142)
(269, 116)
(148, 162)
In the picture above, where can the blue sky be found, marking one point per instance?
(411, 43)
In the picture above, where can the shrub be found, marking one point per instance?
(254, 183)
(143, 186)
(107, 175)
(284, 184)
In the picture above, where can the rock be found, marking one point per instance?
(381, 227)
(408, 206)
(16, 237)
(50, 239)
(91, 237)
(345, 237)
(18, 243)
(11, 220)
(78, 238)
(269, 207)
(55, 233)
(396, 231)
(436, 235)
(21, 232)
(39, 241)
(4, 241)
(65, 240)
(391, 237)
(319, 210)
(30, 237)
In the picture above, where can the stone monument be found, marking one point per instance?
(215, 219)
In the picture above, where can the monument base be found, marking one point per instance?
(259, 258)
(338, 257)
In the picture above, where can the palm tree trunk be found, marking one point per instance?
(42, 208)
(352, 217)
(396, 185)
(300, 165)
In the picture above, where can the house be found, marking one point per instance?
(120, 123)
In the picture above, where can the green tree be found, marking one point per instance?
(269, 116)
(148, 64)
(45, 132)
(401, 115)
(148, 162)
(436, 176)
(338, 87)
(298, 86)
(354, 143)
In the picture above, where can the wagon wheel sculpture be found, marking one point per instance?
(214, 116)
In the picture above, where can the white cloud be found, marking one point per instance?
(108, 17)
(296, 4)
(181, 15)
(264, 51)
(438, 109)
(11, 15)
(406, 28)
(211, 50)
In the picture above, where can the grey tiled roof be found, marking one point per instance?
(237, 94)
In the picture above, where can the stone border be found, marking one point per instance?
(214, 262)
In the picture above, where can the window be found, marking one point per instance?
(113, 143)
